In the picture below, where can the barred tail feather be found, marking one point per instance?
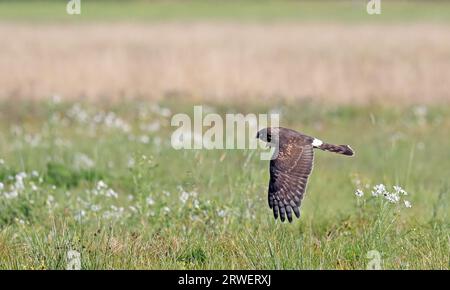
(340, 149)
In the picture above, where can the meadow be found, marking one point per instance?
(86, 162)
(106, 182)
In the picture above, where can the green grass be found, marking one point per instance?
(228, 224)
(251, 10)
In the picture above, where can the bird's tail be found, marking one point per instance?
(340, 149)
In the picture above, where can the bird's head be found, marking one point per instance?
(269, 135)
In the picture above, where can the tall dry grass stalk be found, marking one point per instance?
(339, 63)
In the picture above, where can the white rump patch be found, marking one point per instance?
(317, 142)
(351, 149)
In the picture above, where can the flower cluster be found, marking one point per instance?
(107, 119)
(103, 189)
(100, 201)
(394, 196)
(185, 196)
(18, 185)
(150, 122)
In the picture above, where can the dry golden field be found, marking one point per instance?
(342, 63)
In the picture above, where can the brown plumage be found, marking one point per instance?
(291, 166)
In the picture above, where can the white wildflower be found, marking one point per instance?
(359, 193)
(21, 175)
(184, 197)
(392, 197)
(80, 215)
(379, 189)
(152, 127)
(112, 121)
(83, 161)
(150, 200)
(50, 200)
(101, 185)
(399, 190)
(12, 194)
(95, 207)
(2, 162)
(166, 210)
(2, 186)
(221, 213)
(196, 203)
(407, 204)
(165, 112)
(107, 214)
(111, 193)
(19, 185)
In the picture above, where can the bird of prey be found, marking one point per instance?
(291, 166)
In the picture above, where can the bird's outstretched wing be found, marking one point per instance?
(288, 178)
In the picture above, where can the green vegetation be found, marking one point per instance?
(251, 10)
(104, 181)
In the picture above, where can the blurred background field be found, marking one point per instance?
(222, 50)
(234, 10)
(85, 156)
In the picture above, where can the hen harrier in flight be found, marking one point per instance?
(291, 166)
